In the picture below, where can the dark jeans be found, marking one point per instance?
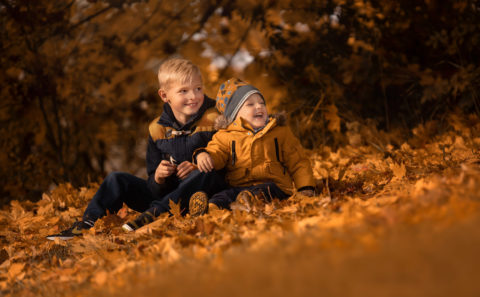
(224, 198)
(119, 188)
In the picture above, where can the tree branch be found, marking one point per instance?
(242, 40)
(90, 17)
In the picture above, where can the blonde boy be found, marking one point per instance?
(185, 125)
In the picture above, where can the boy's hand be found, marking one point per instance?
(184, 169)
(308, 193)
(164, 169)
(204, 162)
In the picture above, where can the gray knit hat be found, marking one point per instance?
(231, 96)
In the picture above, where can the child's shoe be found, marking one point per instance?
(213, 206)
(142, 220)
(75, 230)
(248, 201)
(198, 204)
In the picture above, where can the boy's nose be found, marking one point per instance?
(194, 94)
(191, 95)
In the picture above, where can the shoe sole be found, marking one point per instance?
(198, 204)
(127, 228)
(246, 201)
(60, 237)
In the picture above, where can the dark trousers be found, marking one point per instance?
(119, 188)
(270, 191)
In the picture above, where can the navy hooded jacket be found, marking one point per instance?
(168, 140)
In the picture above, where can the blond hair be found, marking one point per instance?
(177, 70)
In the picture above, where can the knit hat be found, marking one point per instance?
(231, 96)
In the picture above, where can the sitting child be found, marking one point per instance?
(186, 124)
(261, 155)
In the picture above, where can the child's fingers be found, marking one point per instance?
(184, 169)
(185, 165)
(201, 168)
(181, 175)
(165, 171)
(163, 174)
(166, 164)
(207, 163)
(204, 167)
(183, 172)
(207, 166)
(210, 163)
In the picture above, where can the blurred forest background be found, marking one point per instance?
(79, 77)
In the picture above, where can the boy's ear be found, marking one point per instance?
(163, 95)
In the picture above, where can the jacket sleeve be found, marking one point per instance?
(153, 158)
(296, 161)
(219, 149)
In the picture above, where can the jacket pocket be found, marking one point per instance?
(237, 175)
(276, 169)
(280, 177)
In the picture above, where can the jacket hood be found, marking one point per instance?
(221, 121)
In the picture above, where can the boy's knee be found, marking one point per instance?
(115, 177)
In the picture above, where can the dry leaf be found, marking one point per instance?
(175, 208)
(100, 278)
(399, 170)
(331, 115)
(123, 212)
(15, 270)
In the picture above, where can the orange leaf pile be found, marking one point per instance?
(367, 194)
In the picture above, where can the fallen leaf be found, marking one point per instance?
(174, 208)
(15, 270)
(399, 170)
(100, 278)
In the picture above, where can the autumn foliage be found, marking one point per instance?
(383, 94)
(79, 80)
(396, 221)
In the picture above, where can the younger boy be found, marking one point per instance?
(261, 155)
(186, 124)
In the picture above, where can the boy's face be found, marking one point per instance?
(185, 99)
(254, 111)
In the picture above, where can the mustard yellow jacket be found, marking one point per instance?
(272, 154)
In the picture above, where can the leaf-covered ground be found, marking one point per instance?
(392, 220)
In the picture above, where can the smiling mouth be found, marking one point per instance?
(258, 116)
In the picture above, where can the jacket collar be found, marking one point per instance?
(241, 125)
(168, 119)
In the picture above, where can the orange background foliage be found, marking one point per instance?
(383, 94)
(79, 87)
